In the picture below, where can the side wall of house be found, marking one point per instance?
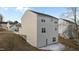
(29, 27)
(44, 39)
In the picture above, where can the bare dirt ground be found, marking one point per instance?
(71, 45)
(12, 42)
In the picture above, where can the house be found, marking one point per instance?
(63, 24)
(41, 29)
(13, 26)
(2, 23)
(9, 25)
(66, 28)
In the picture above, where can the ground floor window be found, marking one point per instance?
(53, 39)
(43, 30)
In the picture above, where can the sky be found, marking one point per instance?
(15, 13)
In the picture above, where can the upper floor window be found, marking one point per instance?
(56, 22)
(43, 30)
(42, 20)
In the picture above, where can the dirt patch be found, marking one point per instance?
(70, 43)
(13, 42)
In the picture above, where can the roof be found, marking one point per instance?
(3, 22)
(68, 21)
(6, 22)
(42, 14)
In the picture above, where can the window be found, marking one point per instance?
(55, 22)
(42, 20)
(16, 30)
(55, 29)
(43, 30)
(51, 20)
(54, 39)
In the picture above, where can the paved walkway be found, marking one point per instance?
(54, 47)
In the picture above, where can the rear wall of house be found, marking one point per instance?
(51, 27)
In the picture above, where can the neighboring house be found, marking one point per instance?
(14, 27)
(4, 25)
(41, 29)
(66, 28)
(9, 25)
(63, 24)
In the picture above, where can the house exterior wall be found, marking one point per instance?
(44, 39)
(32, 28)
(8, 26)
(4, 26)
(63, 26)
(29, 27)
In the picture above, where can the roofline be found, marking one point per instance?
(39, 13)
(42, 14)
(3, 22)
(68, 21)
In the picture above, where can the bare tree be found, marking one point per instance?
(72, 14)
(1, 17)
